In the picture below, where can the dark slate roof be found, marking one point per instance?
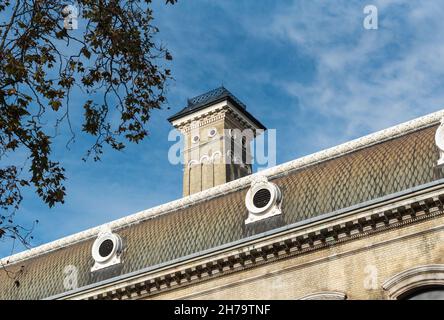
(375, 171)
(212, 97)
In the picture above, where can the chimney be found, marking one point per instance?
(218, 131)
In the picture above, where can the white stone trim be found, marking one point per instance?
(205, 159)
(414, 278)
(212, 109)
(366, 141)
(215, 155)
(113, 257)
(192, 163)
(325, 295)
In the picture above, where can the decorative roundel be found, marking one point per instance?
(196, 139)
(106, 247)
(212, 132)
(263, 198)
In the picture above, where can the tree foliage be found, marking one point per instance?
(113, 58)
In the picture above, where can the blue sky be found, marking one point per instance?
(305, 68)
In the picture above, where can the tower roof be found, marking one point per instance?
(212, 97)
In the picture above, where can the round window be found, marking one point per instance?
(212, 132)
(195, 139)
(261, 198)
(106, 248)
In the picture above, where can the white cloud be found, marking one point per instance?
(370, 79)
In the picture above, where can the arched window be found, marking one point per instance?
(418, 283)
(244, 150)
(425, 293)
(232, 150)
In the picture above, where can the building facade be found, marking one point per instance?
(362, 220)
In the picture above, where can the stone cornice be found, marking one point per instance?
(211, 117)
(212, 114)
(298, 240)
(233, 186)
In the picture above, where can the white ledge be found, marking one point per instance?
(363, 142)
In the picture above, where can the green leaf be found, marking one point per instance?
(55, 104)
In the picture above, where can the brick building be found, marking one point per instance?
(362, 220)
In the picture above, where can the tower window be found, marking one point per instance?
(426, 293)
(232, 150)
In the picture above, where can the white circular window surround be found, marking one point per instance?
(263, 200)
(106, 250)
(195, 139)
(212, 132)
(261, 197)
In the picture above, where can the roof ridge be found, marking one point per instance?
(323, 155)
